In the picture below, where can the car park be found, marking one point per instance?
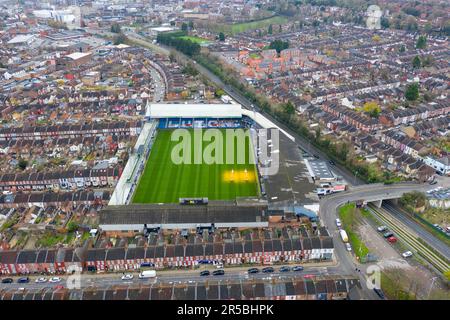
(41, 280)
(407, 254)
(127, 276)
(338, 223)
(382, 228)
(218, 273)
(285, 269)
(7, 280)
(268, 270)
(297, 268)
(23, 280)
(388, 234)
(205, 273)
(253, 270)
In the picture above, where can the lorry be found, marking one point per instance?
(147, 274)
(344, 236)
(327, 188)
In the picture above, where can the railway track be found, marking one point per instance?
(410, 238)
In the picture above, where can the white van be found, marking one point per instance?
(147, 274)
(322, 192)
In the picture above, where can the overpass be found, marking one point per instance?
(370, 193)
(374, 193)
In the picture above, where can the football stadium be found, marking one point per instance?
(158, 178)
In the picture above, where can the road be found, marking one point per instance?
(434, 242)
(174, 277)
(409, 238)
(330, 204)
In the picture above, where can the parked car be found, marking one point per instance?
(392, 239)
(316, 156)
(332, 162)
(407, 254)
(388, 234)
(253, 270)
(41, 280)
(348, 246)
(55, 280)
(7, 280)
(379, 293)
(285, 269)
(382, 228)
(127, 276)
(268, 270)
(205, 273)
(297, 268)
(23, 280)
(433, 182)
(218, 273)
(338, 223)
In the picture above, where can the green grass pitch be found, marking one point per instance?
(163, 181)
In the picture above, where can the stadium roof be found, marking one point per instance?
(78, 55)
(161, 110)
(155, 214)
(21, 39)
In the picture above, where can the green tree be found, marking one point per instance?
(72, 226)
(416, 62)
(221, 36)
(372, 108)
(402, 48)
(385, 23)
(184, 27)
(288, 108)
(421, 42)
(22, 164)
(318, 133)
(279, 45)
(270, 30)
(115, 28)
(172, 56)
(413, 199)
(191, 25)
(219, 92)
(412, 92)
(190, 69)
(121, 38)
